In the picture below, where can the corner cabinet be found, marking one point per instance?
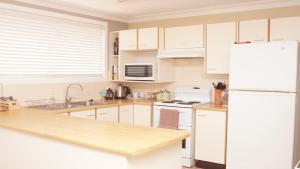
(126, 114)
(128, 40)
(108, 114)
(254, 30)
(210, 136)
(220, 37)
(184, 37)
(285, 29)
(148, 38)
(143, 115)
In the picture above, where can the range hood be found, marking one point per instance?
(181, 53)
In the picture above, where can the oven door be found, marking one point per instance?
(185, 116)
(139, 72)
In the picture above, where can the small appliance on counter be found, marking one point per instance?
(121, 92)
(7, 103)
(109, 94)
(163, 95)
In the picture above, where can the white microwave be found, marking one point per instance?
(139, 71)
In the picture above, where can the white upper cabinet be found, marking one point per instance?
(148, 39)
(254, 30)
(220, 37)
(184, 37)
(128, 39)
(285, 29)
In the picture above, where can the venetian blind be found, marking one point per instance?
(34, 45)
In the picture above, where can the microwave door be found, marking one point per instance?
(139, 72)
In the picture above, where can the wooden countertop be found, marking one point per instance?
(211, 107)
(128, 140)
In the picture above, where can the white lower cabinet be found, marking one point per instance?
(108, 114)
(89, 114)
(142, 115)
(210, 136)
(126, 114)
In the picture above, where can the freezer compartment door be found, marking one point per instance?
(264, 66)
(260, 130)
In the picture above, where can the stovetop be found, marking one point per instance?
(178, 103)
(188, 96)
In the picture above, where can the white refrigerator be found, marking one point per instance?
(263, 112)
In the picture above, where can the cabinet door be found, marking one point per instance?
(184, 37)
(108, 114)
(128, 39)
(89, 114)
(210, 136)
(285, 29)
(254, 30)
(142, 115)
(220, 37)
(126, 114)
(148, 38)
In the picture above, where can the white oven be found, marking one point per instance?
(186, 123)
(139, 71)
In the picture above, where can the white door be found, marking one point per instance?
(260, 130)
(264, 66)
(210, 136)
(128, 39)
(108, 114)
(220, 36)
(148, 38)
(254, 30)
(184, 37)
(142, 115)
(126, 114)
(283, 29)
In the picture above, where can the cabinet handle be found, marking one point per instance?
(91, 115)
(211, 69)
(277, 39)
(102, 113)
(201, 115)
(259, 40)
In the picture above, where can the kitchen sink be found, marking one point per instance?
(59, 106)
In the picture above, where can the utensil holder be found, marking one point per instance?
(218, 97)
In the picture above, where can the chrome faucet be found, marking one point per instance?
(67, 98)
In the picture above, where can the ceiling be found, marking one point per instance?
(140, 10)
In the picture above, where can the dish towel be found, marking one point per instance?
(169, 119)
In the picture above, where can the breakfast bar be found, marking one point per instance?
(46, 139)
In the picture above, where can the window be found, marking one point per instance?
(39, 45)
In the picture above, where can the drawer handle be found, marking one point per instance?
(91, 115)
(102, 113)
(212, 69)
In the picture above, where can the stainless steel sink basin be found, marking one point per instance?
(59, 106)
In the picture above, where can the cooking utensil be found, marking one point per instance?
(109, 94)
(122, 91)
